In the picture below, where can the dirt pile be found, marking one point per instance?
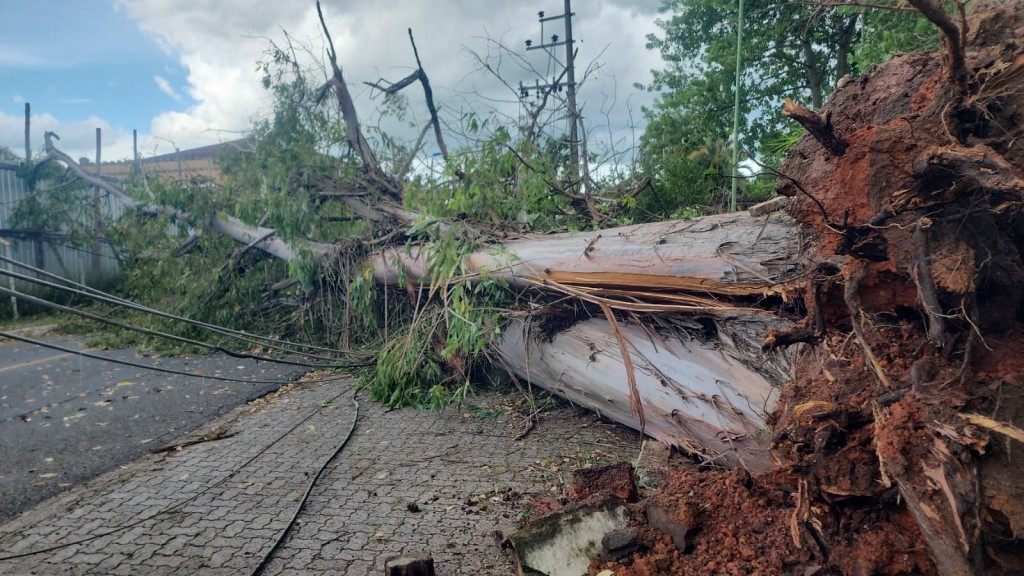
(884, 446)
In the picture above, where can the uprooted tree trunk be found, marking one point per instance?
(697, 379)
(922, 318)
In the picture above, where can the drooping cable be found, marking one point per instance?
(242, 336)
(85, 354)
(177, 504)
(157, 333)
(83, 290)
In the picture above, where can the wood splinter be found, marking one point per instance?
(819, 126)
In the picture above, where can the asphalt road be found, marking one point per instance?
(65, 419)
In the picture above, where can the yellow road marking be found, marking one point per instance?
(39, 361)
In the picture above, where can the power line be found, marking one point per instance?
(157, 333)
(111, 299)
(85, 354)
(305, 497)
(180, 503)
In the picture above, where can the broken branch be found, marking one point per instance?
(954, 56)
(819, 126)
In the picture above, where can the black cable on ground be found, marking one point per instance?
(143, 330)
(305, 497)
(135, 364)
(82, 290)
(175, 505)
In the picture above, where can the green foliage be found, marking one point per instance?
(683, 188)
(790, 49)
(690, 182)
(6, 155)
(430, 360)
(886, 33)
(504, 179)
(363, 302)
(57, 204)
(795, 50)
(409, 371)
(201, 285)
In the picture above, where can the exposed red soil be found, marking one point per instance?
(616, 479)
(878, 471)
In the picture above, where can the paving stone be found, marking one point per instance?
(213, 517)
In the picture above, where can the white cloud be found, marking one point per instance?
(219, 42)
(15, 57)
(18, 99)
(77, 137)
(166, 88)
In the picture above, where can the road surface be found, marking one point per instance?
(65, 419)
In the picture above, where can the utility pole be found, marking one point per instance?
(572, 114)
(574, 150)
(97, 223)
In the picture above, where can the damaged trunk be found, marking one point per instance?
(699, 379)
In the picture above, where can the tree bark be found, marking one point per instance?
(696, 262)
(698, 396)
(707, 392)
(812, 71)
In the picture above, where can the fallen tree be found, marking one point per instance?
(709, 397)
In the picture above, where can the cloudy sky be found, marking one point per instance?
(183, 72)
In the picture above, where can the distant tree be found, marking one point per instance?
(7, 156)
(791, 49)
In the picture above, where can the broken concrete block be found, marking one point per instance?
(619, 544)
(773, 205)
(617, 479)
(563, 543)
(409, 565)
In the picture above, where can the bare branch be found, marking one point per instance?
(348, 110)
(396, 86)
(412, 154)
(428, 94)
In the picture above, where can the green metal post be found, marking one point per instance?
(736, 111)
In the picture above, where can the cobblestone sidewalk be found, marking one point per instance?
(408, 481)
